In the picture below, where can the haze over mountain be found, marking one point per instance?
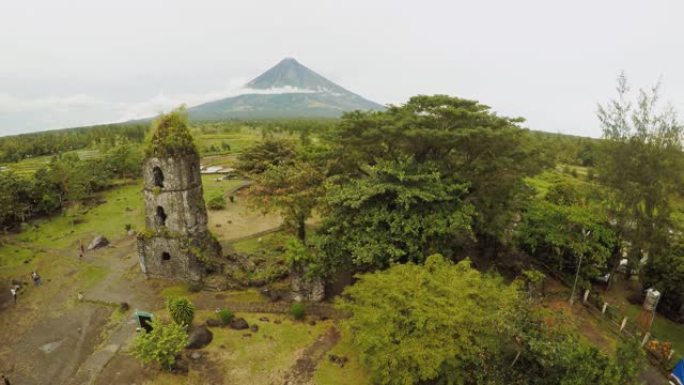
(287, 90)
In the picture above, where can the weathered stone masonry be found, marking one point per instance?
(176, 242)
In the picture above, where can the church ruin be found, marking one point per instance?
(176, 242)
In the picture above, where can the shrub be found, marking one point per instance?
(297, 311)
(128, 227)
(217, 202)
(195, 287)
(224, 316)
(181, 309)
(161, 345)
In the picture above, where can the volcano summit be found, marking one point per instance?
(287, 90)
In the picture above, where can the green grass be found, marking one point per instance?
(123, 206)
(261, 244)
(328, 373)
(29, 166)
(213, 187)
(90, 275)
(253, 360)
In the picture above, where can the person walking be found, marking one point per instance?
(81, 249)
(13, 290)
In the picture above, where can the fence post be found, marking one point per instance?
(645, 340)
(669, 357)
(605, 306)
(586, 296)
(624, 323)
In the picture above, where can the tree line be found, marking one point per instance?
(65, 179)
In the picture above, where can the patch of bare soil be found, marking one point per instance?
(55, 348)
(301, 373)
(125, 369)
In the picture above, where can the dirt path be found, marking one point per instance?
(55, 339)
(301, 373)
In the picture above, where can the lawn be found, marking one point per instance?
(329, 373)
(122, 206)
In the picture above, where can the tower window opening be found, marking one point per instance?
(161, 216)
(165, 256)
(158, 177)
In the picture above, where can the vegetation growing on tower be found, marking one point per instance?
(171, 136)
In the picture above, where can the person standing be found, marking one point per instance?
(81, 249)
(13, 290)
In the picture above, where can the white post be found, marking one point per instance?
(605, 306)
(669, 357)
(586, 296)
(624, 323)
(646, 337)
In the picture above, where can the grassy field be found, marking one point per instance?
(121, 206)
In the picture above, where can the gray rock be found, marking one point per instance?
(238, 324)
(213, 322)
(195, 355)
(98, 242)
(131, 233)
(199, 337)
(254, 328)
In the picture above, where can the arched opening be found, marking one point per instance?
(166, 256)
(158, 177)
(161, 216)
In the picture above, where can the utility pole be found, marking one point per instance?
(585, 234)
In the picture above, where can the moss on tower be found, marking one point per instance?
(170, 136)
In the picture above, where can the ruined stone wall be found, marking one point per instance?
(176, 242)
(168, 257)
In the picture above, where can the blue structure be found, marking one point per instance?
(677, 376)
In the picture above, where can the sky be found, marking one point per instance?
(78, 62)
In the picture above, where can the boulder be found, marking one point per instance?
(98, 242)
(264, 319)
(213, 323)
(238, 324)
(199, 337)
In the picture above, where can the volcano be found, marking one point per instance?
(287, 90)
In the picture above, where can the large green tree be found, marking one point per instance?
(449, 144)
(285, 179)
(446, 323)
(642, 164)
(434, 323)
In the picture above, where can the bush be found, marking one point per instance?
(181, 309)
(128, 227)
(161, 345)
(224, 316)
(297, 311)
(217, 202)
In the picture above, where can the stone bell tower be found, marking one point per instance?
(176, 242)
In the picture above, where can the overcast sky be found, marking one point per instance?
(68, 63)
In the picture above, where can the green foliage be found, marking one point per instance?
(217, 202)
(182, 311)
(298, 311)
(642, 164)
(401, 211)
(630, 361)
(267, 153)
(563, 193)
(284, 181)
(555, 235)
(432, 323)
(462, 140)
(161, 345)
(225, 316)
(170, 136)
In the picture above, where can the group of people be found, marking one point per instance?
(14, 290)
